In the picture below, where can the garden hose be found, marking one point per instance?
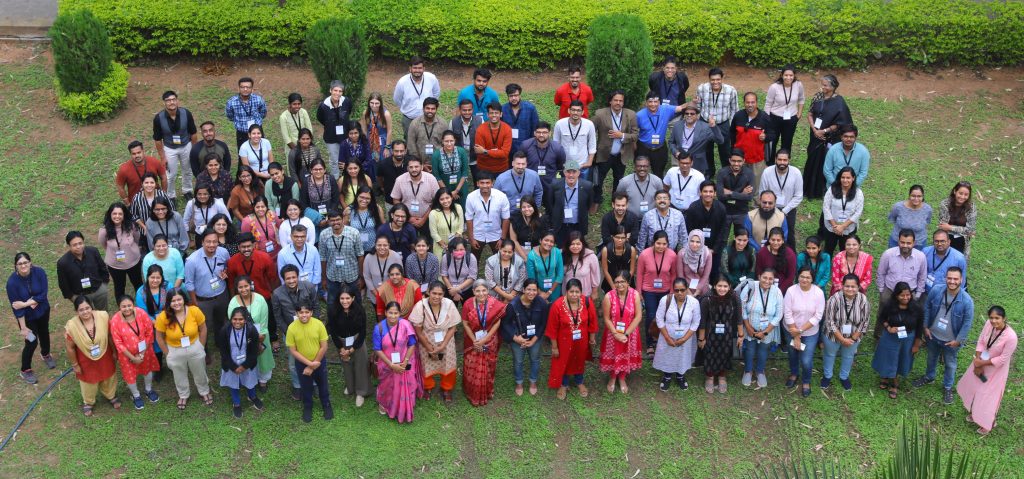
(31, 408)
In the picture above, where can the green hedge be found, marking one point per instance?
(533, 35)
(99, 104)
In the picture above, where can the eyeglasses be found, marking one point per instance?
(683, 290)
(23, 263)
(690, 113)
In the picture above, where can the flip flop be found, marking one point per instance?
(583, 391)
(562, 391)
(533, 389)
(182, 403)
(116, 403)
(208, 399)
(893, 393)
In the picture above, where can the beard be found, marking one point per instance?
(766, 215)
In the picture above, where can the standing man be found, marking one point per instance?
(640, 187)
(487, 214)
(750, 132)
(465, 125)
(718, 102)
(848, 152)
(333, 113)
(259, 267)
(901, 263)
(948, 316)
(543, 155)
(662, 218)
(572, 91)
(416, 190)
(617, 132)
(81, 271)
(206, 279)
(570, 204)
(203, 149)
(683, 182)
(389, 169)
(709, 216)
(519, 114)
(619, 216)
(412, 89)
(760, 221)
(285, 303)
(174, 131)
(653, 140)
(493, 142)
(519, 182)
(736, 188)
(940, 258)
(697, 137)
(578, 138)
(788, 185)
(130, 173)
(479, 93)
(301, 255)
(426, 131)
(670, 84)
(244, 110)
(341, 257)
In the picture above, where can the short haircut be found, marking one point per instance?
(684, 154)
(707, 183)
(72, 235)
(207, 122)
(616, 92)
(482, 72)
(134, 144)
(245, 80)
(542, 125)
(715, 71)
(415, 60)
(513, 88)
(768, 192)
(464, 102)
(169, 93)
(576, 103)
(575, 69)
(620, 196)
(485, 175)
(738, 152)
(299, 228)
(337, 84)
(430, 101)
(247, 237)
(289, 268)
(955, 269)
(850, 128)
(651, 95)
(494, 106)
(907, 233)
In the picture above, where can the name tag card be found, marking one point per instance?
(339, 130)
(429, 149)
(438, 337)
(119, 256)
(531, 331)
(847, 329)
(644, 206)
(94, 351)
(214, 283)
(719, 328)
(548, 283)
(901, 332)
(620, 326)
(142, 346)
(185, 342)
(655, 139)
(86, 283)
(657, 283)
(350, 341)
(577, 335)
(480, 335)
(396, 358)
(542, 170)
(568, 213)
(270, 247)
(339, 261)
(693, 283)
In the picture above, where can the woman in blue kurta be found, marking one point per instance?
(26, 290)
(544, 265)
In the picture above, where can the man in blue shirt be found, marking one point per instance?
(299, 254)
(245, 109)
(206, 277)
(544, 156)
(479, 93)
(848, 152)
(947, 322)
(653, 123)
(519, 182)
(520, 114)
(940, 257)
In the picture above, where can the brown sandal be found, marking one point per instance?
(87, 410)
(893, 393)
(116, 403)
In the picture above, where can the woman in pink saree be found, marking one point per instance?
(394, 343)
(982, 386)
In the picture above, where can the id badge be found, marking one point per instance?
(719, 328)
(942, 324)
(531, 330)
(414, 207)
(350, 341)
(542, 170)
(786, 115)
(930, 281)
(480, 335)
(142, 346)
(515, 133)
(658, 283)
(86, 283)
(568, 213)
(841, 218)
(515, 203)
(304, 277)
(707, 233)
(423, 287)
(901, 332)
(548, 283)
(120, 256)
(693, 283)
(214, 283)
(577, 335)
(776, 282)
(185, 342)
(527, 246)
(176, 139)
(240, 359)
(429, 149)
(438, 337)
(396, 358)
(677, 333)
(339, 261)
(270, 247)
(200, 229)
(847, 329)
(985, 355)
(339, 130)
(452, 179)
(655, 139)
(620, 326)
(666, 102)
(817, 123)
(364, 237)
(322, 209)
(94, 351)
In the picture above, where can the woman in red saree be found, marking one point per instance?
(481, 319)
(399, 289)
(621, 352)
(572, 329)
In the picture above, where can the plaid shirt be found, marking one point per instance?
(723, 105)
(255, 110)
(347, 247)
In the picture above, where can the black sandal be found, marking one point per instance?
(893, 393)
(883, 384)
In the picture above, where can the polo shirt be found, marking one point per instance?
(416, 196)
(306, 337)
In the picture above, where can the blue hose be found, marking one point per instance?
(31, 408)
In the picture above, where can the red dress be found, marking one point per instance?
(572, 354)
(478, 368)
(126, 338)
(616, 357)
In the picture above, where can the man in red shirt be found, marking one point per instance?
(257, 265)
(574, 89)
(493, 142)
(130, 173)
(750, 132)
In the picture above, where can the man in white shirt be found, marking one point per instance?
(577, 137)
(683, 182)
(487, 214)
(788, 185)
(412, 89)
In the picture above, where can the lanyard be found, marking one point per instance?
(363, 222)
(423, 85)
(393, 338)
(305, 253)
(578, 130)
(248, 271)
(764, 300)
(295, 119)
(947, 304)
(714, 100)
(663, 226)
(266, 231)
(849, 158)
(643, 192)
(575, 265)
(337, 245)
(541, 155)
(574, 316)
(650, 119)
(137, 330)
(547, 264)
(258, 153)
(667, 87)
(485, 206)
(520, 186)
(568, 199)
(848, 308)
(465, 129)
(850, 268)
(494, 135)
(935, 267)
(459, 268)
(448, 219)
(145, 169)
(782, 183)
(680, 312)
(451, 163)
(482, 316)
(423, 268)
(182, 323)
(208, 266)
(164, 227)
(239, 339)
(693, 131)
(380, 267)
(661, 263)
(246, 106)
(430, 132)
(992, 340)
(622, 306)
(617, 121)
(515, 114)
(682, 186)
(505, 275)
(787, 97)
(416, 189)
(479, 102)
(117, 236)
(319, 189)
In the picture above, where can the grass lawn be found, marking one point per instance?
(52, 183)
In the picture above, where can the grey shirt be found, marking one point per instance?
(945, 335)
(285, 301)
(640, 192)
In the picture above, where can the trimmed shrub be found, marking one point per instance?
(619, 56)
(81, 51)
(99, 104)
(337, 51)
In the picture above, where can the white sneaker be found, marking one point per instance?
(346, 391)
(359, 401)
(746, 379)
(762, 380)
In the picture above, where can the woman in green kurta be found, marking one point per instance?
(248, 298)
(451, 167)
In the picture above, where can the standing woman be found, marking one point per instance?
(678, 318)
(346, 324)
(525, 319)
(422, 266)
(982, 386)
(458, 270)
(257, 152)
(902, 318)
(165, 221)
(435, 319)
(401, 233)
(762, 313)
(247, 187)
(259, 315)
(828, 112)
(572, 328)
(450, 166)
(239, 344)
(302, 156)
(376, 122)
(280, 189)
(319, 193)
(694, 264)
(142, 203)
(152, 298)
(263, 224)
(846, 318)
(350, 182)
(356, 148)
(133, 336)
(181, 331)
(621, 351)
(481, 319)
(375, 267)
(544, 265)
(819, 262)
(199, 210)
(122, 256)
(721, 329)
(365, 215)
(581, 263)
(87, 344)
(617, 255)
(27, 290)
(738, 260)
(293, 120)
(446, 220)
(777, 256)
(784, 104)
(293, 216)
(841, 210)
(528, 226)
(505, 272)
(216, 178)
(912, 214)
(852, 261)
(172, 267)
(394, 346)
(803, 308)
(959, 217)
(655, 271)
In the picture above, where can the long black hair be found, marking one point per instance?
(837, 187)
(127, 225)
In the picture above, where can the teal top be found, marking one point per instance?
(449, 170)
(822, 268)
(541, 271)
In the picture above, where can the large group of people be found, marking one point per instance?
(695, 264)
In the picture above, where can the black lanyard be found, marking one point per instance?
(848, 308)
(568, 199)
(992, 340)
(578, 130)
(622, 306)
(666, 88)
(505, 274)
(849, 158)
(682, 186)
(650, 119)
(680, 312)
(449, 221)
(764, 300)
(465, 129)
(209, 267)
(486, 207)
(494, 135)
(520, 186)
(617, 121)
(305, 253)
(337, 245)
(423, 84)
(787, 97)
(643, 192)
(259, 153)
(393, 338)
(145, 169)
(541, 156)
(380, 267)
(239, 339)
(479, 101)
(547, 264)
(574, 316)
(246, 106)
(458, 269)
(935, 267)
(295, 119)
(319, 190)
(423, 268)
(248, 271)
(415, 189)
(266, 231)
(782, 184)
(714, 100)
(851, 268)
(661, 263)
(947, 304)
(663, 226)
(430, 133)
(575, 265)
(362, 222)
(693, 131)
(482, 316)
(137, 330)
(451, 163)
(164, 228)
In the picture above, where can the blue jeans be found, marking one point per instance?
(334, 289)
(577, 379)
(801, 362)
(236, 398)
(846, 354)
(755, 351)
(651, 301)
(318, 380)
(291, 361)
(935, 347)
(518, 354)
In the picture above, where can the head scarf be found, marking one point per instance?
(693, 259)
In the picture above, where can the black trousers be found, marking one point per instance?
(658, 157)
(786, 129)
(724, 150)
(241, 137)
(41, 328)
(121, 276)
(614, 164)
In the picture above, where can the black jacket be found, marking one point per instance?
(252, 347)
(698, 217)
(555, 200)
(656, 82)
(330, 117)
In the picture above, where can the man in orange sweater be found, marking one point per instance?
(493, 142)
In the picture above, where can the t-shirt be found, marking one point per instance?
(172, 332)
(130, 174)
(306, 337)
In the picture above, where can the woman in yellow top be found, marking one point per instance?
(181, 331)
(446, 220)
(88, 346)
